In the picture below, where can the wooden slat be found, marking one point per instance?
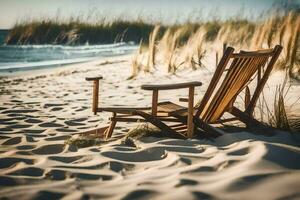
(214, 81)
(263, 80)
(178, 128)
(247, 96)
(190, 122)
(225, 120)
(215, 108)
(127, 119)
(251, 55)
(122, 110)
(168, 107)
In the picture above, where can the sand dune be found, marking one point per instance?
(40, 110)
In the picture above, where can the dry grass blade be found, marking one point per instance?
(135, 62)
(152, 49)
(281, 120)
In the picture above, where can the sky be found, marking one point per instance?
(168, 11)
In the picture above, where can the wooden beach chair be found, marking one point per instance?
(233, 75)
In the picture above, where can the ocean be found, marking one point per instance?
(29, 57)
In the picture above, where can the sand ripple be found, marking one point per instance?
(36, 164)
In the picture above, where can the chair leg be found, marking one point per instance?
(159, 124)
(111, 127)
(211, 131)
(250, 122)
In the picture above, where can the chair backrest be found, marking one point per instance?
(234, 72)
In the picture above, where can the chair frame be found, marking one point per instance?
(193, 121)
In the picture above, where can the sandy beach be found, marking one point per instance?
(40, 110)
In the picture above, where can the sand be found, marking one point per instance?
(40, 110)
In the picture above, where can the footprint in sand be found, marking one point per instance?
(7, 181)
(29, 171)
(48, 195)
(33, 121)
(49, 149)
(186, 182)
(58, 138)
(15, 111)
(57, 175)
(20, 126)
(50, 125)
(8, 162)
(73, 123)
(26, 147)
(140, 194)
(57, 109)
(66, 130)
(34, 131)
(48, 105)
(65, 159)
(12, 141)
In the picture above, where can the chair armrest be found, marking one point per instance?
(94, 78)
(171, 86)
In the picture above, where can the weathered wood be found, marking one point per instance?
(219, 121)
(214, 81)
(252, 123)
(154, 102)
(169, 107)
(122, 110)
(258, 90)
(190, 123)
(95, 96)
(93, 78)
(171, 86)
(251, 54)
(215, 102)
(111, 127)
(131, 119)
(211, 131)
(158, 123)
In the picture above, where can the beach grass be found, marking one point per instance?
(172, 45)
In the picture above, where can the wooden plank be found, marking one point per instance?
(160, 124)
(214, 81)
(219, 96)
(93, 78)
(122, 110)
(190, 123)
(251, 55)
(154, 102)
(258, 90)
(95, 95)
(169, 107)
(247, 96)
(171, 86)
(121, 119)
(111, 127)
(182, 127)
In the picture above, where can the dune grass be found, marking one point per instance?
(279, 114)
(174, 45)
(186, 45)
